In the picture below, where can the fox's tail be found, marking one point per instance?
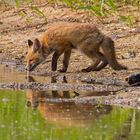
(109, 51)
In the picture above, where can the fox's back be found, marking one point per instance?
(73, 32)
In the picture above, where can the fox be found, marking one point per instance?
(62, 38)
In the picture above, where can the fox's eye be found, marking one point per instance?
(31, 60)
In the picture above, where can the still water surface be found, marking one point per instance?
(26, 115)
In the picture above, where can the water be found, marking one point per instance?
(26, 115)
(31, 115)
(10, 74)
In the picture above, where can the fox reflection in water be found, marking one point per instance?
(65, 114)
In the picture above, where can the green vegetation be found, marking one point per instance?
(100, 8)
(17, 121)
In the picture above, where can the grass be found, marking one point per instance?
(100, 8)
(19, 122)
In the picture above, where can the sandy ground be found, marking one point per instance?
(19, 25)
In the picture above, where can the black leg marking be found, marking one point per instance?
(66, 59)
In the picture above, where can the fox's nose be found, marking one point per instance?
(26, 68)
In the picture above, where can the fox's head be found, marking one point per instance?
(34, 54)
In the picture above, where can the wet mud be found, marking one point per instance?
(80, 89)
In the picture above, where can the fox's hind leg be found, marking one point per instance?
(100, 66)
(99, 62)
(92, 51)
(103, 63)
(96, 61)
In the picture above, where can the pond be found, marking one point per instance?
(31, 114)
(26, 115)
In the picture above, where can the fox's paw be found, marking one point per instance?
(87, 69)
(62, 70)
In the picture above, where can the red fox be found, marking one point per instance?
(63, 37)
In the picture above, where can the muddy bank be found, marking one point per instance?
(118, 100)
(62, 86)
(84, 94)
(101, 90)
(52, 86)
(124, 96)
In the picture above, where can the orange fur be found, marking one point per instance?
(63, 37)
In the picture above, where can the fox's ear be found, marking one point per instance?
(37, 45)
(30, 43)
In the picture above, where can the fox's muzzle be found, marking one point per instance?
(31, 67)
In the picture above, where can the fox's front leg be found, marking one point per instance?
(66, 59)
(54, 59)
